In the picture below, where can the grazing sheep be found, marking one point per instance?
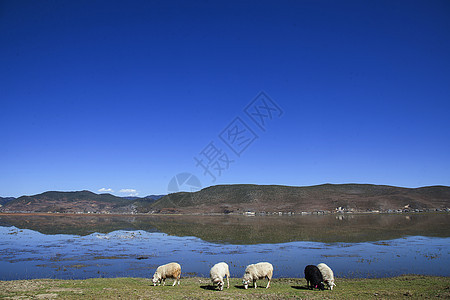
(258, 271)
(170, 270)
(327, 275)
(218, 272)
(313, 275)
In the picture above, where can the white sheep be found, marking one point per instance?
(218, 272)
(170, 270)
(258, 271)
(327, 275)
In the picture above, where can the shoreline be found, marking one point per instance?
(189, 276)
(443, 211)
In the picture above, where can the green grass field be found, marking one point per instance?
(410, 286)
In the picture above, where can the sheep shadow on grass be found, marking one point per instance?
(209, 287)
(300, 287)
(250, 287)
(240, 287)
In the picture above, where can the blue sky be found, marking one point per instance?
(122, 95)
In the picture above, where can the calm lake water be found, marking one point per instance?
(76, 247)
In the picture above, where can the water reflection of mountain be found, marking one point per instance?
(248, 230)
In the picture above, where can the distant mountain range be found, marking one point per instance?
(241, 198)
(150, 197)
(4, 200)
(76, 202)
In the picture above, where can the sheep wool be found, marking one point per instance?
(327, 274)
(170, 270)
(217, 274)
(313, 277)
(257, 271)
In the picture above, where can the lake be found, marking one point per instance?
(77, 247)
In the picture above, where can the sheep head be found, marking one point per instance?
(320, 286)
(156, 279)
(245, 282)
(247, 279)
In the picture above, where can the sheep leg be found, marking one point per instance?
(254, 282)
(164, 282)
(268, 283)
(228, 281)
(175, 282)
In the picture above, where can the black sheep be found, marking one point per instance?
(313, 276)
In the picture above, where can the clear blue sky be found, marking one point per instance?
(122, 95)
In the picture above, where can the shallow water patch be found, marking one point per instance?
(116, 255)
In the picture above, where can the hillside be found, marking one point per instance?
(69, 202)
(146, 198)
(5, 200)
(327, 197)
(241, 198)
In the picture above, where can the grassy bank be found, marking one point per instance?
(411, 286)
